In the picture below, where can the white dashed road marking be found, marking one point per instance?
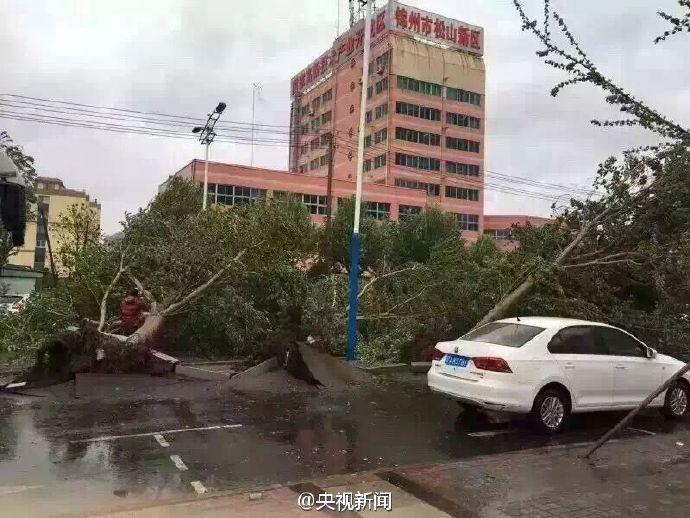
(641, 430)
(10, 490)
(178, 462)
(490, 433)
(198, 487)
(179, 430)
(161, 440)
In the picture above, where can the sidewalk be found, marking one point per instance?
(645, 476)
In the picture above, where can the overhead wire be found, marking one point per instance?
(86, 116)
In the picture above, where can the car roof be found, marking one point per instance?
(551, 322)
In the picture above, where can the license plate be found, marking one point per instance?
(456, 361)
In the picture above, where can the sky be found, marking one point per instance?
(183, 56)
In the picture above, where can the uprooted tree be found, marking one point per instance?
(176, 255)
(607, 229)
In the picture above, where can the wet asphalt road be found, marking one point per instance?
(73, 456)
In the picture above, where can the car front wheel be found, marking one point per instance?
(550, 411)
(676, 403)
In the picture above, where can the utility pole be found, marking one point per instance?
(255, 88)
(44, 224)
(206, 136)
(329, 185)
(356, 245)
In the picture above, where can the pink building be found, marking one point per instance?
(424, 134)
(499, 227)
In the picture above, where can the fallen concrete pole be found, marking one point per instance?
(637, 410)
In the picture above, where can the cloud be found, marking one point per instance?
(182, 57)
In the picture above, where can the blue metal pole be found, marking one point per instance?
(356, 247)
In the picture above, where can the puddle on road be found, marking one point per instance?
(284, 438)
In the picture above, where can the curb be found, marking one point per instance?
(417, 367)
(201, 374)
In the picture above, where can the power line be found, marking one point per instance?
(174, 126)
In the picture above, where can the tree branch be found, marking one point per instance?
(104, 300)
(385, 275)
(147, 293)
(200, 289)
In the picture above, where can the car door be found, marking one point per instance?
(634, 376)
(585, 365)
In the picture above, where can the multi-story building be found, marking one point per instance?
(424, 117)
(53, 200)
(424, 135)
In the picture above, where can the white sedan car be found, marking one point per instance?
(550, 367)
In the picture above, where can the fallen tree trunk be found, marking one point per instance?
(637, 410)
(508, 301)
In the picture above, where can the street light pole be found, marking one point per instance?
(205, 201)
(356, 245)
(206, 136)
(255, 89)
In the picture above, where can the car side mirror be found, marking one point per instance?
(650, 353)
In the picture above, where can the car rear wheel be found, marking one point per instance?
(676, 403)
(550, 411)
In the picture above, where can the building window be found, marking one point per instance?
(39, 258)
(367, 141)
(315, 124)
(415, 85)
(378, 64)
(367, 117)
(327, 96)
(502, 234)
(377, 210)
(408, 211)
(418, 137)
(314, 164)
(460, 119)
(462, 193)
(464, 96)
(382, 85)
(315, 104)
(432, 189)
(379, 161)
(326, 117)
(304, 110)
(324, 159)
(370, 92)
(462, 144)
(469, 222)
(462, 169)
(366, 165)
(233, 194)
(414, 110)
(380, 111)
(303, 149)
(380, 136)
(40, 243)
(418, 162)
(325, 139)
(304, 129)
(314, 144)
(315, 203)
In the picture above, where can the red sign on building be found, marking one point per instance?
(396, 17)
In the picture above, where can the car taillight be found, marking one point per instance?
(437, 354)
(491, 364)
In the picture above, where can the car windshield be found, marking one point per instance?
(503, 333)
